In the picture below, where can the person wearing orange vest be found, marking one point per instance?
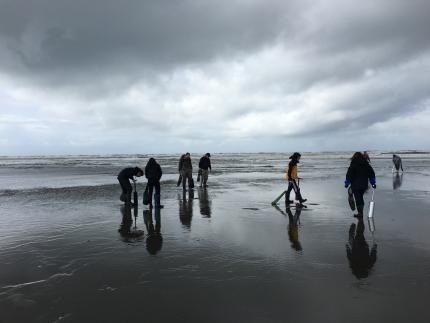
(292, 177)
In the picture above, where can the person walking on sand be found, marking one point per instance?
(358, 175)
(397, 161)
(205, 167)
(153, 173)
(124, 178)
(186, 170)
(293, 180)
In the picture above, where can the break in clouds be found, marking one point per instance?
(107, 76)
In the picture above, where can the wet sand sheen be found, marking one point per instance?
(222, 255)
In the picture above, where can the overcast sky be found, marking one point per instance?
(146, 76)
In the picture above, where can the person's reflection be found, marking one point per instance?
(186, 208)
(293, 228)
(204, 203)
(126, 231)
(154, 240)
(397, 180)
(361, 259)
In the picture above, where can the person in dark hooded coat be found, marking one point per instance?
(359, 174)
(153, 173)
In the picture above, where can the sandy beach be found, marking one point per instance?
(223, 254)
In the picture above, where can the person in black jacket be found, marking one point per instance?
(359, 174)
(153, 173)
(124, 178)
(205, 167)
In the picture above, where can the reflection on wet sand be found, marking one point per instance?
(293, 226)
(186, 208)
(361, 259)
(397, 180)
(154, 240)
(126, 231)
(205, 203)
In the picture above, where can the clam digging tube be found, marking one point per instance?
(372, 205)
(278, 198)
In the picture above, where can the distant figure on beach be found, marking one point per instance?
(366, 156)
(361, 259)
(358, 175)
(154, 239)
(293, 228)
(204, 168)
(186, 170)
(293, 180)
(397, 162)
(153, 173)
(124, 178)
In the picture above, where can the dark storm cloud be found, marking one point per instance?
(113, 36)
(218, 69)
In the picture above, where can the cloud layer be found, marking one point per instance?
(165, 76)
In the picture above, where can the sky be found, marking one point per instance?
(167, 76)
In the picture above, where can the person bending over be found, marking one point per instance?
(153, 173)
(358, 175)
(124, 178)
(293, 178)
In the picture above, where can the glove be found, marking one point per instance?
(347, 183)
(374, 185)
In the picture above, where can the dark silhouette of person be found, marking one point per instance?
(205, 203)
(125, 229)
(397, 180)
(361, 258)
(154, 240)
(124, 178)
(293, 228)
(153, 173)
(186, 208)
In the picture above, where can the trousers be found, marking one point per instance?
(292, 185)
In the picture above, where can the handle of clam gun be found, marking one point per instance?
(135, 193)
(278, 198)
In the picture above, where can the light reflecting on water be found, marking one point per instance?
(221, 254)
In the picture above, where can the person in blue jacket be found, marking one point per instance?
(359, 174)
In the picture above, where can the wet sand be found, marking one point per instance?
(223, 255)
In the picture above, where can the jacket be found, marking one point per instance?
(185, 163)
(359, 174)
(128, 172)
(292, 171)
(205, 163)
(153, 171)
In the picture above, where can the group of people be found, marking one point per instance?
(360, 173)
(153, 173)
